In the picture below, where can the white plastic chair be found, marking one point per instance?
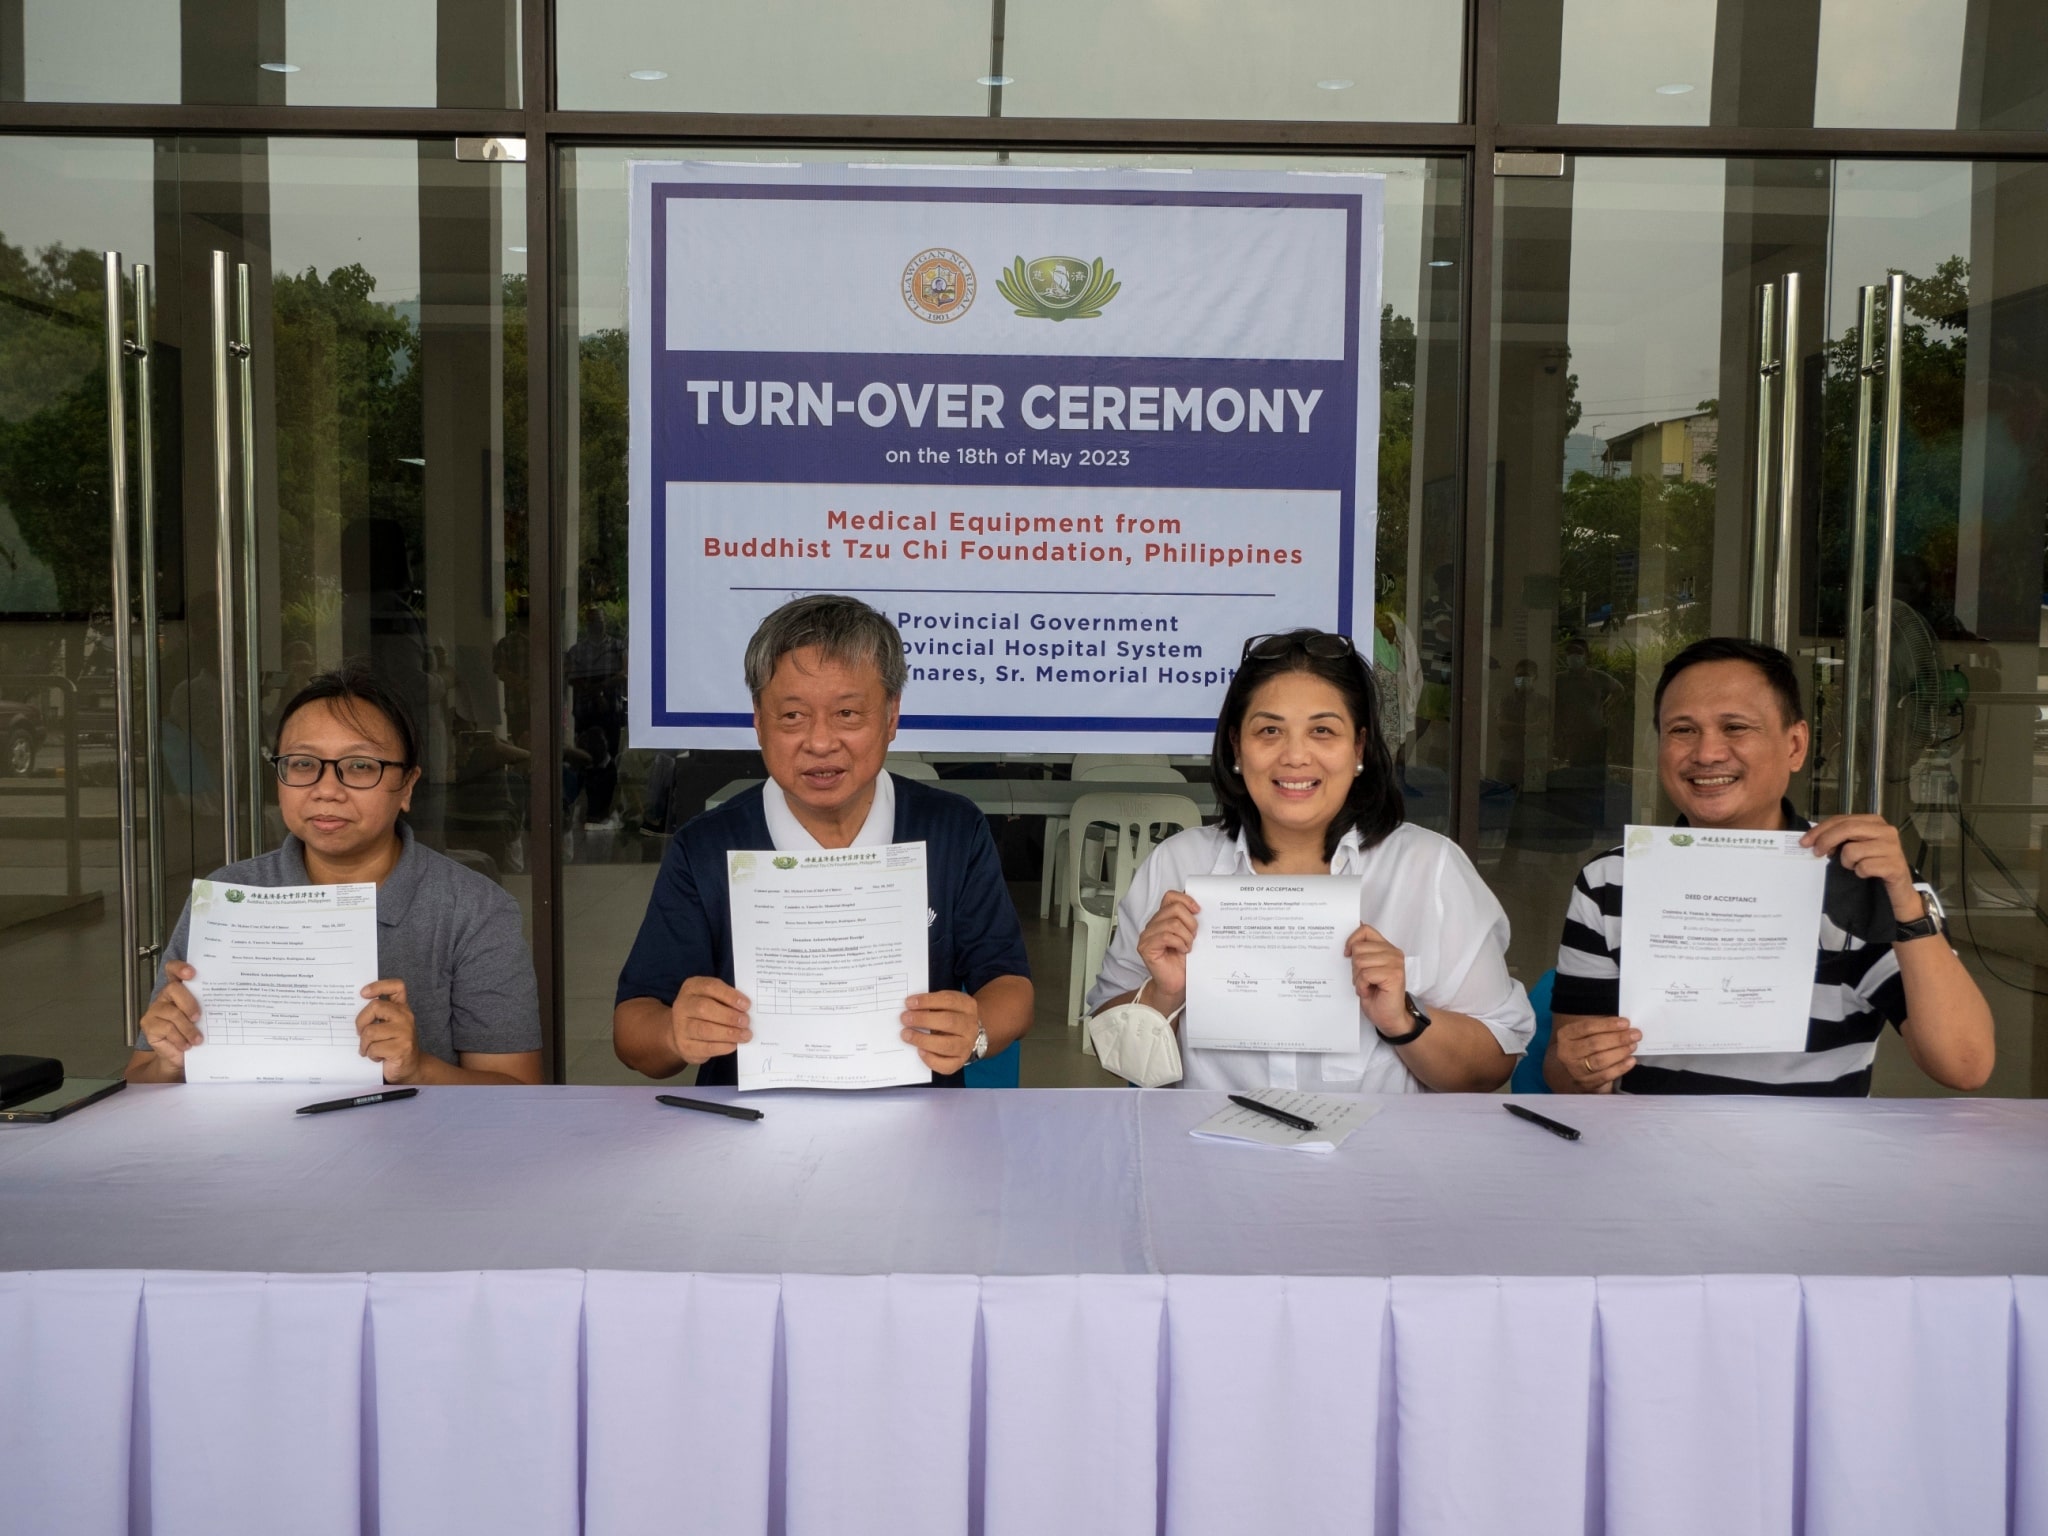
(1152, 769)
(1141, 771)
(908, 765)
(1131, 821)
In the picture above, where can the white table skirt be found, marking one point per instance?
(528, 1401)
(1247, 1373)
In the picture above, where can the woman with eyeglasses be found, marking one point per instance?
(457, 1002)
(1306, 786)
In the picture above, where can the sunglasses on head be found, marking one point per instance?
(1323, 647)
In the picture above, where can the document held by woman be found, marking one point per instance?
(280, 984)
(1267, 970)
(1718, 934)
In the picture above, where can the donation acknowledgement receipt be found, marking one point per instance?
(1717, 938)
(827, 946)
(281, 976)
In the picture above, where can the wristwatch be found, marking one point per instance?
(980, 1043)
(1421, 1019)
(1935, 921)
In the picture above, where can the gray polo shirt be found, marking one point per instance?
(452, 936)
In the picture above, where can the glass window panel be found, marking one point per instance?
(376, 53)
(621, 802)
(1390, 60)
(1776, 63)
(1648, 62)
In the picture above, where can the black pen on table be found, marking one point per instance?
(385, 1097)
(1545, 1121)
(1285, 1118)
(709, 1106)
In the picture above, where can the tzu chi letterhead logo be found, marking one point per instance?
(1058, 287)
(938, 285)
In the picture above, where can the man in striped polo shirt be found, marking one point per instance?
(1730, 734)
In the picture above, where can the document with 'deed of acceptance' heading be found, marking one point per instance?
(826, 946)
(1718, 931)
(281, 972)
(1267, 970)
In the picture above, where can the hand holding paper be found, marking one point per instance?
(1268, 969)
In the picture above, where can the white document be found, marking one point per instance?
(281, 977)
(1268, 970)
(1335, 1118)
(826, 946)
(1718, 931)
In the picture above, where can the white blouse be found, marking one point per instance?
(1420, 892)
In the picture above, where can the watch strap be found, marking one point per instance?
(1415, 1012)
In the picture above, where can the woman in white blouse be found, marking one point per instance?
(1305, 785)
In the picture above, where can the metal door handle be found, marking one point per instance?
(145, 537)
(252, 660)
(1788, 466)
(124, 722)
(1887, 532)
(1859, 536)
(224, 564)
(1760, 529)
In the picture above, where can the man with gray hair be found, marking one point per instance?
(826, 673)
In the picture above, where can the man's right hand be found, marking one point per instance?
(708, 1019)
(1593, 1052)
(170, 1025)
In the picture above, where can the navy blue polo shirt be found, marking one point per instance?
(975, 936)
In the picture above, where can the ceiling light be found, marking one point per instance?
(516, 250)
(647, 74)
(1677, 89)
(279, 67)
(1441, 262)
(993, 80)
(1335, 85)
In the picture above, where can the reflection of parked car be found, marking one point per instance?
(21, 734)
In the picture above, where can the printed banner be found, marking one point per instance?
(1078, 433)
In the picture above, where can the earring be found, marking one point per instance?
(1236, 770)
(1357, 770)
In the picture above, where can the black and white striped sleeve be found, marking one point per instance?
(1589, 952)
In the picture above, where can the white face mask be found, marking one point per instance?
(1135, 1041)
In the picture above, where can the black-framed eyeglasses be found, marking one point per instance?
(296, 770)
(1316, 643)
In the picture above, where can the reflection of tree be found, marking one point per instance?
(1935, 347)
(53, 415)
(1397, 443)
(349, 415)
(603, 394)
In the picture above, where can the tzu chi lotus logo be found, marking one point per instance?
(1058, 287)
(938, 285)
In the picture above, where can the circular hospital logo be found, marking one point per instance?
(938, 285)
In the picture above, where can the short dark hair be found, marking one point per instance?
(1773, 663)
(351, 687)
(1373, 806)
(844, 628)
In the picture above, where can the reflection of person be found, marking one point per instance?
(1517, 708)
(826, 674)
(457, 1003)
(1730, 734)
(1586, 701)
(1306, 786)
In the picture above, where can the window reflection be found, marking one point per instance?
(1336, 60)
(1769, 63)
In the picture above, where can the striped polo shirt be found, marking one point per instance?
(1856, 989)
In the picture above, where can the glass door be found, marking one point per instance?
(264, 415)
(1691, 400)
(1924, 610)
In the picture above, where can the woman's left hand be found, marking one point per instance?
(1379, 972)
(387, 1031)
